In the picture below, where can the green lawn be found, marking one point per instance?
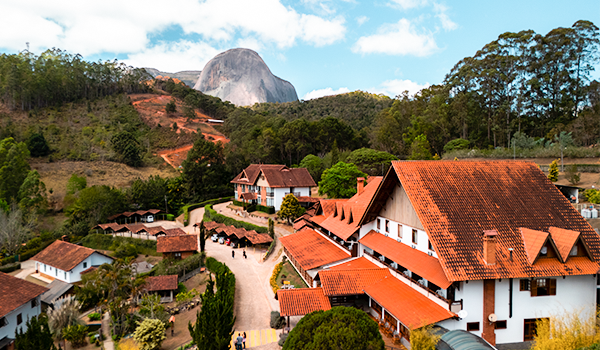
(291, 275)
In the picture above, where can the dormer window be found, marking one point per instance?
(544, 251)
(573, 251)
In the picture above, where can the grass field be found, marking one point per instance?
(290, 275)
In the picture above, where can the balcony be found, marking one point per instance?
(296, 194)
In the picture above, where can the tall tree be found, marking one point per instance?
(204, 174)
(339, 181)
(37, 335)
(13, 168)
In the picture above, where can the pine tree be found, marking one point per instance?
(37, 336)
(553, 171)
(271, 228)
(202, 236)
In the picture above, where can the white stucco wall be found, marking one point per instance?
(74, 275)
(26, 312)
(422, 238)
(279, 193)
(573, 294)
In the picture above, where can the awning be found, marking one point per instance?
(406, 304)
(302, 301)
(415, 260)
(249, 196)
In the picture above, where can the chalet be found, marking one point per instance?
(248, 236)
(163, 286)
(20, 301)
(66, 261)
(177, 247)
(267, 184)
(484, 247)
(135, 216)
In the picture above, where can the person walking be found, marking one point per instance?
(233, 253)
(244, 342)
(245, 257)
(239, 341)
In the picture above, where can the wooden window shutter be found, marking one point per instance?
(534, 286)
(551, 286)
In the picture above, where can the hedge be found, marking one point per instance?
(8, 260)
(171, 267)
(211, 215)
(254, 207)
(26, 255)
(271, 246)
(216, 267)
(273, 280)
(185, 210)
(10, 267)
(108, 242)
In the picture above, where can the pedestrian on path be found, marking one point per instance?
(245, 254)
(244, 342)
(233, 253)
(239, 340)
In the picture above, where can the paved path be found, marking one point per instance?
(108, 343)
(258, 337)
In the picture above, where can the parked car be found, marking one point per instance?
(221, 240)
(228, 241)
(214, 237)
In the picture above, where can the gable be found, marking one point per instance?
(399, 208)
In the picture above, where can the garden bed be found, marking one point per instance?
(290, 275)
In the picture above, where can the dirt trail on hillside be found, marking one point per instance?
(151, 108)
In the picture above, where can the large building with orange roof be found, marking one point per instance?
(483, 246)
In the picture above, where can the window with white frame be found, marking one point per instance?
(270, 202)
(415, 236)
(399, 231)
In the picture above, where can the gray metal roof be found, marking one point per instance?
(462, 340)
(57, 288)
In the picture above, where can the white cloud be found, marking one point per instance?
(397, 39)
(362, 20)
(324, 92)
(174, 56)
(447, 23)
(397, 87)
(408, 4)
(124, 27)
(249, 43)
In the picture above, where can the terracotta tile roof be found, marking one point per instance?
(533, 241)
(302, 301)
(340, 282)
(156, 230)
(113, 226)
(307, 199)
(345, 219)
(318, 219)
(174, 232)
(139, 212)
(16, 292)
(249, 195)
(415, 260)
(415, 310)
(358, 263)
(327, 206)
(564, 240)
(211, 225)
(157, 283)
(310, 249)
(457, 200)
(64, 255)
(298, 224)
(276, 176)
(175, 244)
(258, 238)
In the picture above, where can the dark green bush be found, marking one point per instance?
(457, 144)
(95, 316)
(277, 321)
(10, 267)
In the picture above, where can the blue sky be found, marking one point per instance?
(321, 47)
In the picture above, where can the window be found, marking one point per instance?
(3, 322)
(34, 302)
(235, 195)
(524, 285)
(84, 264)
(430, 246)
(258, 199)
(65, 274)
(414, 236)
(19, 319)
(573, 251)
(399, 231)
(501, 324)
(44, 267)
(270, 202)
(56, 272)
(258, 189)
(530, 328)
(543, 286)
(472, 326)
(378, 224)
(387, 225)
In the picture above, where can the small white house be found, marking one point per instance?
(267, 184)
(66, 261)
(19, 301)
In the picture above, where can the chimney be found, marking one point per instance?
(360, 185)
(489, 246)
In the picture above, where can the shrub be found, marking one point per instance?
(553, 171)
(277, 321)
(95, 316)
(273, 280)
(75, 334)
(282, 338)
(592, 195)
(423, 338)
(457, 144)
(10, 267)
(566, 331)
(173, 267)
(211, 215)
(572, 174)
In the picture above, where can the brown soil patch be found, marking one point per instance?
(151, 108)
(56, 175)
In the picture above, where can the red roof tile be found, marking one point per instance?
(158, 283)
(457, 200)
(175, 232)
(64, 255)
(310, 249)
(564, 240)
(298, 224)
(406, 304)
(307, 199)
(415, 260)
(16, 292)
(534, 241)
(258, 238)
(276, 175)
(249, 195)
(358, 263)
(175, 244)
(340, 282)
(302, 301)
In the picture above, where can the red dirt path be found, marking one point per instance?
(151, 108)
